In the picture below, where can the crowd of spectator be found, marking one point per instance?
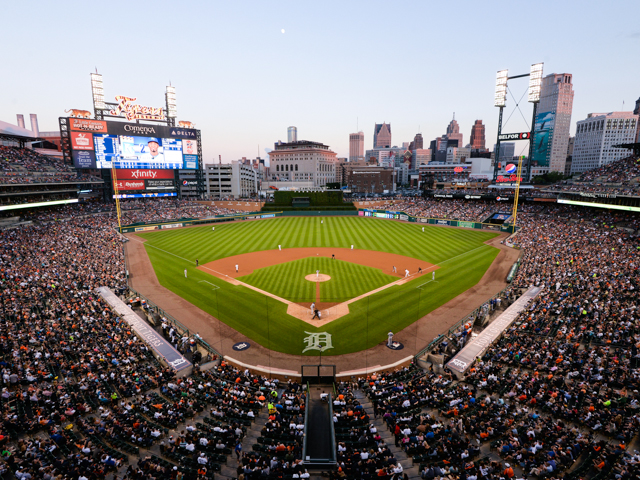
(16, 159)
(559, 390)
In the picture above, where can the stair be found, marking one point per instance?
(249, 440)
(406, 461)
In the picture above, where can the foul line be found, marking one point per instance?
(419, 286)
(213, 285)
(181, 258)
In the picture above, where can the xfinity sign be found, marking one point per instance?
(514, 136)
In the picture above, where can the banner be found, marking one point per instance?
(143, 174)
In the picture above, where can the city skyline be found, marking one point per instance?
(224, 61)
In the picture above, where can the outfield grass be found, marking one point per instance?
(460, 254)
(348, 280)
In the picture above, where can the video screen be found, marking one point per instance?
(121, 151)
(102, 144)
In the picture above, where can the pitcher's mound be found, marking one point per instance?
(317, 278)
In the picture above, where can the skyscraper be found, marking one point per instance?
(382, 135)
(597, 134)
(553, 122)
(418, 142)
(477, 136)
(453, 131)
(292, 134)
(356, 146)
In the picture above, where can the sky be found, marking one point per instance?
(339, 66)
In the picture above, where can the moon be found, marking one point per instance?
(282, 30)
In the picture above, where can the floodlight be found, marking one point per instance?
(535, 82)
(172, 109)
(501, 88)
(97, 91)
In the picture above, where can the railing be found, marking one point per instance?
(440, 338)
(182, 329)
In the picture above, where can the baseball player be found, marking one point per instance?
(433, 275)
(406, 273)
(313, 307)
(394, 269)
(236, 268)
(185, 273)
(280, 247)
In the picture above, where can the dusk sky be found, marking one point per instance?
(340, 66)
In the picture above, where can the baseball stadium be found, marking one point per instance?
(166, 317)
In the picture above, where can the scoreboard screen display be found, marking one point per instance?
(101, 144)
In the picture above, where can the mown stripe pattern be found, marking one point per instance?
(461, 255)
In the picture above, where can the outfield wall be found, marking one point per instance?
(366, 212)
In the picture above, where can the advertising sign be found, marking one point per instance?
(514, 136)
(81, 141)
(131, 185)
(542, 137)
(132, 146)
(82, 125)
(142, 174)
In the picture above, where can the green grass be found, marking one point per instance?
(460, 254)
(348, 280)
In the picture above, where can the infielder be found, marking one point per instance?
(236, 268)
(406, 273)
(351, 247)
(280, 247)
(394, 269)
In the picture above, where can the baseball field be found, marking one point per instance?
(361, 298)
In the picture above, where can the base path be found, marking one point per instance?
(248, 262)
(222, 337)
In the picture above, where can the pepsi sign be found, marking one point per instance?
(510, 168)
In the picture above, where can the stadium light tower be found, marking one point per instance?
(97, 92)
(500, 101)
(172, 109)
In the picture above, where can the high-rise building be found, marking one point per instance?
(636, 111)
(356, 146)
(382, 135)
(292, 134)
(553, 122)
(477, 140)
(453, 132)
(303, 161)
(418, 142)
(507, 151)
(596, 135)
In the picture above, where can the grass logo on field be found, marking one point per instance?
(315, 340)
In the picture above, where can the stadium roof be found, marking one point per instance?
(15, 133)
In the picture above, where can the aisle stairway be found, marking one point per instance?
(387, 436)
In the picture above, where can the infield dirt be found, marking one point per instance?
(222, 337)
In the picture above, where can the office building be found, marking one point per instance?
(420, 156)
(292, 134)
(417, 144)
(477, 140)
(596, 135)
(507, 151)
(553, 122)
(453, 133)
(636, 111)
(303, 161)
(356, 146)
(230, 180)
(382, 135)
